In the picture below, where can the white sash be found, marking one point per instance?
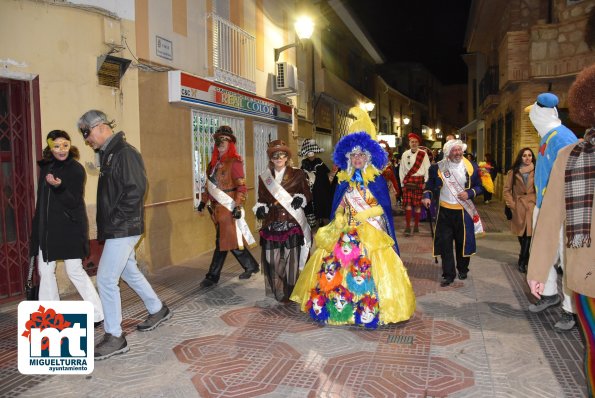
(284, 199)
(455, 187)
(356, 201)
(226, 201)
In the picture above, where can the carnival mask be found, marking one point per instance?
(367, 312)
(316, 306)
(347, 247)
(330, 275)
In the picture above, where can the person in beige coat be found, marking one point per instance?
(519, 196)
(570, 203)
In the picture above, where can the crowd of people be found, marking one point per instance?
(327, 235)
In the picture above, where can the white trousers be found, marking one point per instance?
(48, 285)
(551, 284)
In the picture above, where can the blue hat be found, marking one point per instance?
(547, 100)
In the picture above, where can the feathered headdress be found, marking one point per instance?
(361, 137)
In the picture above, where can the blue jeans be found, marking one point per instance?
(119, 261)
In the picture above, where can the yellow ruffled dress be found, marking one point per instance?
(396, 299)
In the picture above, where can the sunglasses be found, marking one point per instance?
(219, 140)
(86, 131)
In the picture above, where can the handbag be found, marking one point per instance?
(31, 290)
(507, 212)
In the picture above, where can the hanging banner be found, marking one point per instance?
(189, 89)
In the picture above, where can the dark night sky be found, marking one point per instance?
(431, 32)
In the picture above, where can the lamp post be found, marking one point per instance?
(304, 27)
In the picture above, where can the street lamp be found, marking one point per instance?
(304, 27)
(367, 106)
(406, 120)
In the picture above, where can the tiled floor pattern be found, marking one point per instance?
(473, 339)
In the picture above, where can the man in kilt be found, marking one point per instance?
(413, 173)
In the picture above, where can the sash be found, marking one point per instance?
(359, 204)
(454, 187)
(284, 199)
(416, 165)
(226, 201)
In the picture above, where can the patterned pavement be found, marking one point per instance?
(472, 339)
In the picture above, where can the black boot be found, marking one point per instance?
(214, 273)
(524, 254)
(247, 261)
(520, 263)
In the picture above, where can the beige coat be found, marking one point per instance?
(520, 197)
(580, 263)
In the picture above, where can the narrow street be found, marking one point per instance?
(472, 339)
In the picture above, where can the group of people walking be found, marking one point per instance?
(350, 271)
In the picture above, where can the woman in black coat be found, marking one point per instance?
(60, 226)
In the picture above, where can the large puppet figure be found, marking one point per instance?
(355, 276)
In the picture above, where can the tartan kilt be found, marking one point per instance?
(412, 197)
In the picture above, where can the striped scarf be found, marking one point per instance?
(578, 190)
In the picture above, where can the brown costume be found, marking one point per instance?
(228, 175)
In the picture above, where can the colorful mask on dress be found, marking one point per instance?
(347, 247)
(316, 306)
(359, 279)
(330, 275)
(367, 312)
(340, 305)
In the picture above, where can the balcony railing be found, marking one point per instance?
(234, 54)
(488, 84)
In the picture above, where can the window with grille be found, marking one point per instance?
(204, 126)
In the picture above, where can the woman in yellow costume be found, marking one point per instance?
(355, 275)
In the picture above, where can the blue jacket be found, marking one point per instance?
(556, 139)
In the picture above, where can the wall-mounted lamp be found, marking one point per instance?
(437, 130)
(304, 27)
(367, 106)
(406, 120)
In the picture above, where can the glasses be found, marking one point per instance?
(219, 140)
(86, 132)
(358, 155)
(281, 155)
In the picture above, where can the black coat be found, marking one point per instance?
(120, 191)
(321, 189)
(60, 226)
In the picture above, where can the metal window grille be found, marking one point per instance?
(203, 127)
(234, 54)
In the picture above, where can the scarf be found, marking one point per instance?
(579, 186)
(526, 169)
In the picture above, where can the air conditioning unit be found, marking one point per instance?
(286, 81)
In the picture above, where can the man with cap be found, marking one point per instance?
(413, 173)
(453, 182)
(120, 222)
(226, 192)
(554, 136)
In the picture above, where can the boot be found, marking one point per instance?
(247, 262)
(520, 264)
(527, 252)
(214, 273)
(524, 254)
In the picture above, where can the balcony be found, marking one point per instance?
(514, 58)
(232, 52)
(489, 96)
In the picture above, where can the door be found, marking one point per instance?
(17, 199)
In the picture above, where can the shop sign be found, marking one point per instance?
(189, 89)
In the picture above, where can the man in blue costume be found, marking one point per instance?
(554, 136)
(454, 181)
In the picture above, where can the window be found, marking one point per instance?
(204, 126)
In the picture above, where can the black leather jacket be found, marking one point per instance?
(120, 191)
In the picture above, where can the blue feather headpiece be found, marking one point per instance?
(365, 143)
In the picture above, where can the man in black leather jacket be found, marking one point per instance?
(120, 222)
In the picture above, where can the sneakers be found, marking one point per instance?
(566, 322)
(154, 320)
(248, 273)
(110, 346)
(545, 302)
(415, 229)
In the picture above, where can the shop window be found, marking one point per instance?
(204, 126)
